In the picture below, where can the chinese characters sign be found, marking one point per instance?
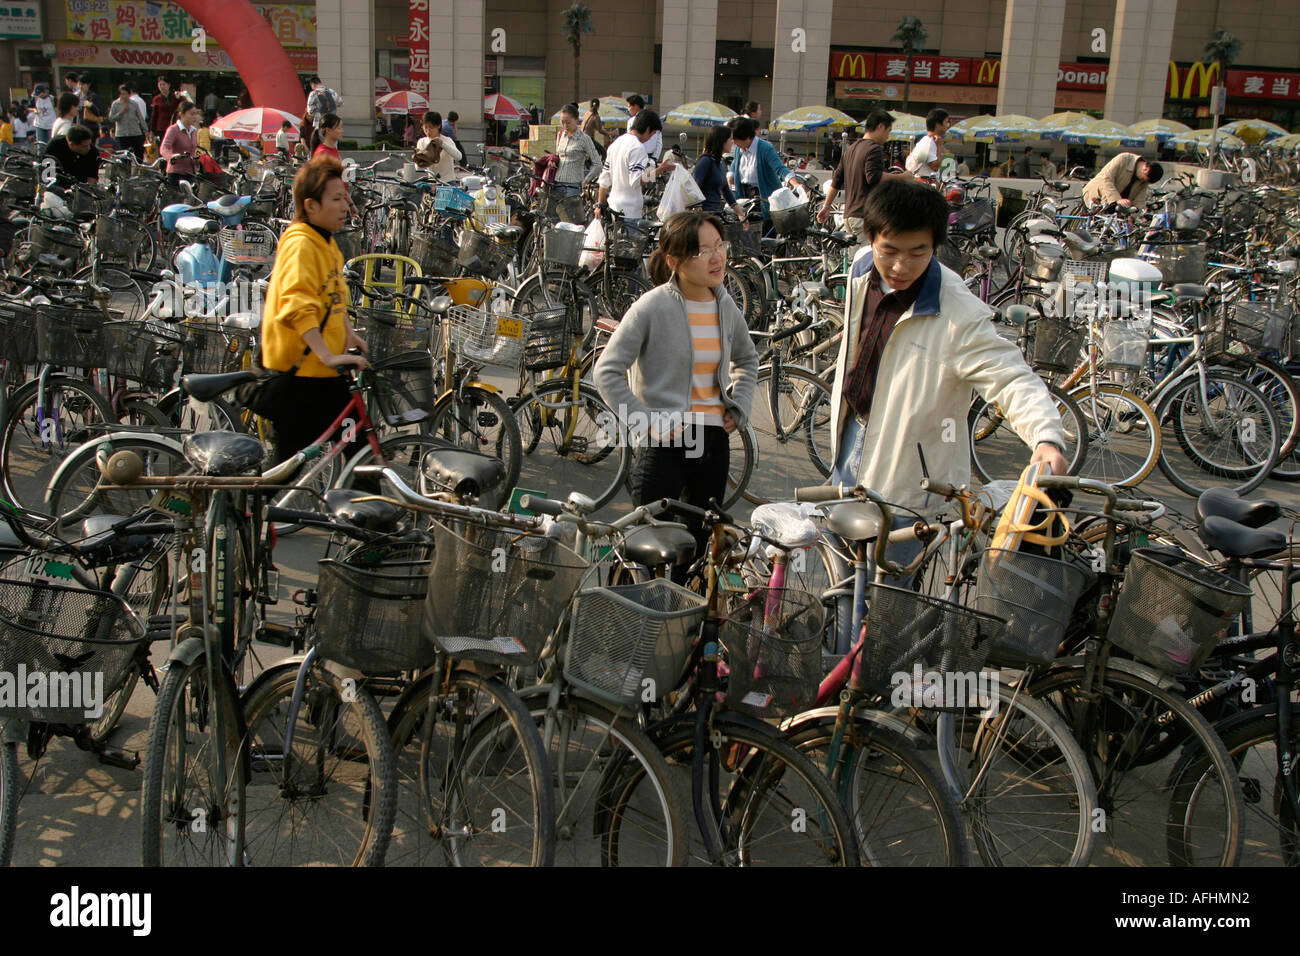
(20, 20)
(148, 21)
(169, 57)
(417, 30)
(1263, 84)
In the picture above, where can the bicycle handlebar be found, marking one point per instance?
(823, 494)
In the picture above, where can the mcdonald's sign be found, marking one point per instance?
(986, 74)
(852, 66)
(1208, 75)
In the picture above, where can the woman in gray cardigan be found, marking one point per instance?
(692, 368)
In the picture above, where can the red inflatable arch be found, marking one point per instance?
(261, 61)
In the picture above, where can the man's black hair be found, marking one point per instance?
(875, 118)
(71, 76)
(1155, 173)
(898, 205)
(77, 134)
(647, 121)
(453, 117)
(313, 78)
(636, 100)
(1047, 154)
(934, 118)
(751, 107)
(1029, 151)
(742, 127)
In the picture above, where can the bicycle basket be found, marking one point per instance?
(70, 337)
(436, 254)
(480, 255)
(1244, 329)
(82, 643)
(485, 338)
(626, 241)
(388, 333)
(1085, 270)
(17, 333)
(405, 382)
(1056, 343)
(1036, 595)
(973, 218)
(19, 186)
(773, 647)
(563, 245)
(909, 633)
(1124, 344)
(621, 637)
(549, 340)
(742, 240)
(1045, 261)
(496, 595)
(49, 239)
(87, 201)
(110, 235)
(1180, 262)
(146, 354)
(453, 201)
(247, 247)
(792, 220)
(139, 194)
(209, 349)
(369, 618)
(1173, 610)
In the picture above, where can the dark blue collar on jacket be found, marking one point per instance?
(927, 303)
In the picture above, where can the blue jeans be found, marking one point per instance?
(42, 135)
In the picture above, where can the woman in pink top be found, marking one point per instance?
(178, 144)
(327, 136)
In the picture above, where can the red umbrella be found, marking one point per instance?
(501, 107)
(259, 122)
(402, 102)
(384, 86)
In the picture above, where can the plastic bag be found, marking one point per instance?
(680, 191)
(593, 247)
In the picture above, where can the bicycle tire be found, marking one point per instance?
(1135, 734)
(33, 447)
(76, 491)
(792, 412)
(404, 453)
(570, 444)
(188, 817)
(1124, 437)
(190, 416)
(479, 419)
(452, 776)
(742, 460)
(760, 761)
(335, 806)
(9, 791)
(125, 294)
(932, 834)
(619, 289)
(113, 707)
(139, 412)
(997, 452)
(1244, 461)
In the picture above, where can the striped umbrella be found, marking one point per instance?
(1253, 130)
(807, 118)
(253, 124)
(1101, 132)
(907, 127)
(498, 106)
(699, 113)
(1159, 130)
(1201, 138)
(384, 86)
(1056, 123)
(612, 110)
(1007, 128)
(1289, 141)
(402, 103)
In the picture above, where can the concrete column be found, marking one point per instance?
(799, 78)
(345, 60)
(1141, 42)
(1031, 56)
(689, 41)
(456, 66)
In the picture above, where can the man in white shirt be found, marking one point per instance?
(627, 166)
(449, 155)
(45, 114)
(654, 146)
(927, 155)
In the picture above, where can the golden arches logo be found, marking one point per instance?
(993, 67)
(1208, 75)
(853, 66)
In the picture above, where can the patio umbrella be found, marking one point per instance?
(1056, 122)
(403, 103)
(612, 110)
(384, 86)
(699, 113)
(1253, 130)
(256, 123)
(812, 117)
(1101, 132)
(1201, 138)
(1007, 128)
(501, 107)
(1159, 130)
(1289, 141)
(907, 127)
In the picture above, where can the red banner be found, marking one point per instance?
(417, 30)
(852, 66)
(1082, 76)
(1261, 84)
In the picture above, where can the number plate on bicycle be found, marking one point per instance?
(172, 503)
(510, 328)
(42, 567)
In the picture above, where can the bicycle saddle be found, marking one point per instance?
(1040, 227)
(229, 205)
(656, 545)
(1190, 290)
(1059, 185)
(207, 387)
(1226, 503)
(194, 226)
(504, 233)
(465, 474)
(815, 290)
(785, 524)
(1081, 245)
(441, 304)
(772, 243)
(989, 252)
(854, 520)
(1238, 541)
(223, 454)
(378, 516)
(243, 322)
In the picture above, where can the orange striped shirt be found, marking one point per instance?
(706, 340)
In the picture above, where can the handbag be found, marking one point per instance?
(265, 394)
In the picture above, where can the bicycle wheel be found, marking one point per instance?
(1124, 439)
(618, 290)
(333, 803)
(476, 418)
(765, 802)
(738, 288)
(78, 490)
(1136, 735)
(741, 462)
(1283, 393)
(1227, 436)
(997, 452)
(615, 798)
(139, 413)
(570, 442)
(192, 801)
(186, 414)
(9, 790)
(903, 811)
(43, 429)
(471, 774)
(791, 416)
(125, 295)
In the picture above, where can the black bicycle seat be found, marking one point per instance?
(207, 387)
(1059, 185)
(380, 516)
(465, 474)
(655, 545)
(223, 454)
(1238, 541)
(989, 252)
(1190, 290)
(1226, 503)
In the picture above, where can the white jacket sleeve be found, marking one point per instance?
(450, 147)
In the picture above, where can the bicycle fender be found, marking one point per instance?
(187, 651)
(911, 733)
(341, 671)
(1134, 668)
(168, 443)
(1268, 712)
(288, 664)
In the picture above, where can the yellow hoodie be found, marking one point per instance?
(306, 281)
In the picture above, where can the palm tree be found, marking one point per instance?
(1222, 50)
(911, 34)
(577, 21)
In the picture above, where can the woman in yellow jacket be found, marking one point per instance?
(305, 325)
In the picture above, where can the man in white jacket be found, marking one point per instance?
(916, 343)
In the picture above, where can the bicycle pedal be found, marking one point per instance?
(279, 635)
(488, 419)
(122, 759)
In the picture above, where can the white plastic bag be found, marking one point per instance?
(680, 191)
(593, 247)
